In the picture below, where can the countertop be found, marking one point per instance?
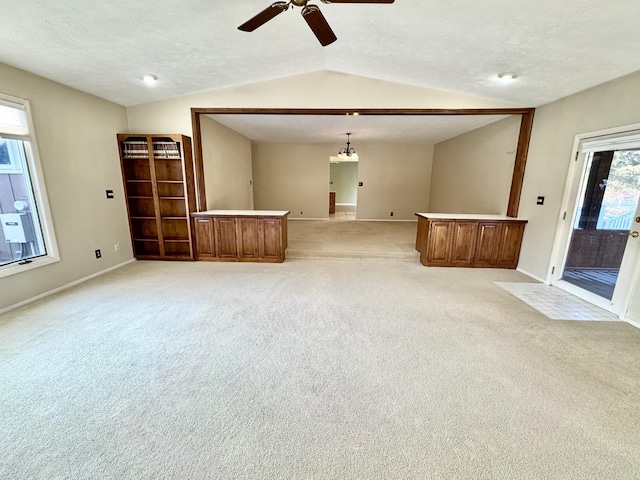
(467, 216)
(241, 213)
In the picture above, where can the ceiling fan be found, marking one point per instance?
(311, 13)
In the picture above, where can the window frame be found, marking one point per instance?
(40, 195)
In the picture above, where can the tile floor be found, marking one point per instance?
(342, 216)
(556, 303)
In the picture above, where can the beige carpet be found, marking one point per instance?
(353, 239)
(312, 369)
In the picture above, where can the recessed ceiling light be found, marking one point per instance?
(149, 79)
(508, 76)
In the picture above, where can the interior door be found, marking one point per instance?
(603, 245)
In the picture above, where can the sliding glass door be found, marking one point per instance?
(603, 243)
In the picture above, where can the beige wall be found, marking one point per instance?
(76, 136)
(396, 178)
(292, 177)
(344, 181)
(472, 172)
(227, 167)
(612, 104)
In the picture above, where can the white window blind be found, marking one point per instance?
(13, 121)
(621, 141)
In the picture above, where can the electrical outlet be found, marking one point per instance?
(540, 200)
(98, 254)
(116, 247)
(109, 193)
(391, 214)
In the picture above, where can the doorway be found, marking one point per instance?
(343, 186)
(601, 252)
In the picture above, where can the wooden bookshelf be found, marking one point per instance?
(159, 180)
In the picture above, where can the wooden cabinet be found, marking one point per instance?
(225, 236)
(159, 183)
(463, 244)
(247, 237)
(226, 240)
(205, 237)
(451, 242)
(438, 250)
(510, 241)
(487, 244)
(270, 235)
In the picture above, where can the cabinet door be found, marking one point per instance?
(271, 239)
(247, 235)
(463, 244)
(225, 238)
(205, 241)
(509, 246)
(487, 244)
(439, 236)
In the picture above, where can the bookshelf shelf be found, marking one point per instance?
(159, 179)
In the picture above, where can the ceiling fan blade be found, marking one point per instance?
(358, 1)
(264, 16)
(316, 21)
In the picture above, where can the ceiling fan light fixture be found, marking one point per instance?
(507, 76)
(311, 14)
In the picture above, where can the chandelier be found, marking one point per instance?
(348, 154)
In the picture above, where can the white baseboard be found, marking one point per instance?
(64, 287)
(535, 277)
(632, 323)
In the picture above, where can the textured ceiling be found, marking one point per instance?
(557, 47)
(366, 129)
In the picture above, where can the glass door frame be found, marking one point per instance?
(630, 273)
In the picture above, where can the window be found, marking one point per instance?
(26, 233)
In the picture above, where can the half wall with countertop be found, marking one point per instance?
(241, 235)
(468, 240)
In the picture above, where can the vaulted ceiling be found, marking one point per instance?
(329, 129)
(556, 47)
